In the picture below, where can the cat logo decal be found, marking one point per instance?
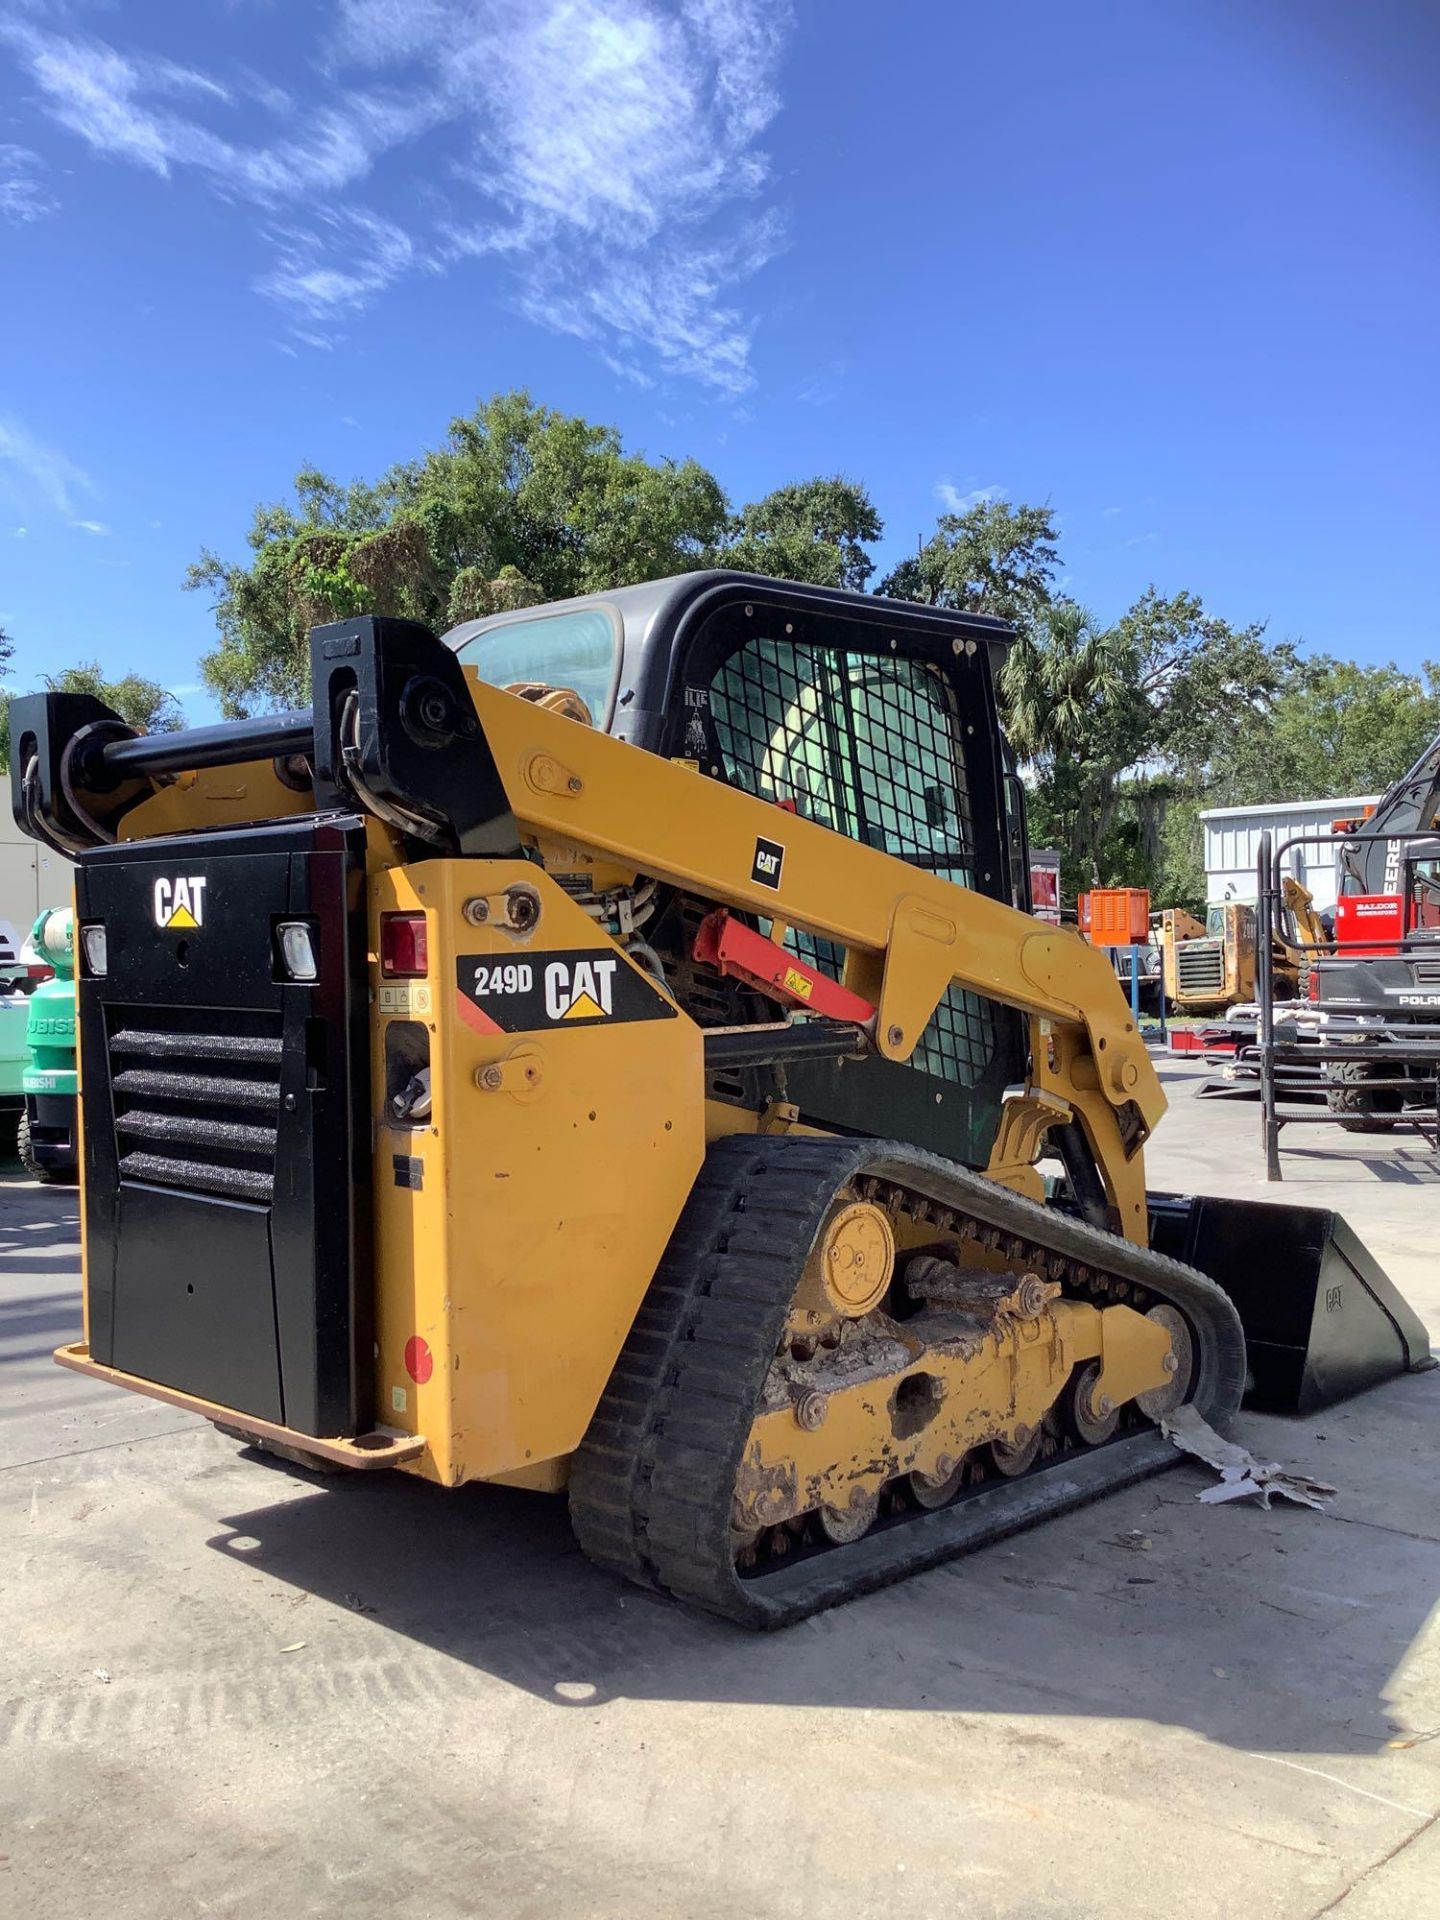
(179, 904)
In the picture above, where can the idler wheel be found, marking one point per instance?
(1156, 1402)
(1014, 1456)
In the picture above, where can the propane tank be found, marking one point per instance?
(50, 1028)
(52, 939)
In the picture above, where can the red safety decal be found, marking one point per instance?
(476, 1017)
(419, 1361)
(746, 955)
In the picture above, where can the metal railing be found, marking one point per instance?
(1289, 1060)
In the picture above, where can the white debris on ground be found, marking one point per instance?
(1242, 1476)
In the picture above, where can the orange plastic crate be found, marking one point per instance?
(1119, 916)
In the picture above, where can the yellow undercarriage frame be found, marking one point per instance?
(959, 1388)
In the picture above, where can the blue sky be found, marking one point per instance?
(1172, 268)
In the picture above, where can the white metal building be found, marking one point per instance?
(31, 876)
(1232, 844)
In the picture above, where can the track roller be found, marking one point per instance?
(764, 1476)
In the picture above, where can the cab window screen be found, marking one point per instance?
(866, 744)
(869, 745)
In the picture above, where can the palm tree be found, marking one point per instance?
(1062, 673)
(1061, 685)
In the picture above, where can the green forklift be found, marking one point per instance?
(46, 1138)
(15, 987)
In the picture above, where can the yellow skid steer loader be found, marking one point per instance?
(608, 1050)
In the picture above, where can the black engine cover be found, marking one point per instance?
(225, 1120)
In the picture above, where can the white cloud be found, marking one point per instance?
(97, 527)
(22, 197)
(611, 143)
(335, 265)
(668, 300)
(1113, 513)
(602, 153)
(144, 109)
(954, 501)
(31, 472)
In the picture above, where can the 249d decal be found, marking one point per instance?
(581, 988)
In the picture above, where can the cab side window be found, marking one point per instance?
(870, 745)
(1425, 896)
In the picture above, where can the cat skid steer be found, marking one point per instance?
(608, 1052)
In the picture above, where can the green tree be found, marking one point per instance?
(1060, 687)
(1119, 725)
(145, 704)
(993, 558)
(1180, 871)
(814, 530)
(1115, 725)
(7, 650)
(1336, 728)
(519, 504)
(1192, 681)
(1061, 678)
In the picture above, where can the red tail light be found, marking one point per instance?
(404, 947)
(1312, 985)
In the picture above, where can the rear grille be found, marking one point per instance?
(1427, 973)
(197, 1110)
(1200, 966)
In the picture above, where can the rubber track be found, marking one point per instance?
(652, 1484)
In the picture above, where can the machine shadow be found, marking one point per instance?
(37, 1231)
(1255, 1629)
(38, 1222)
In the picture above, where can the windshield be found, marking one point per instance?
(579, 649)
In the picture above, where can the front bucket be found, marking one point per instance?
(1321, 1318)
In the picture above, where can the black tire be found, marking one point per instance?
(48, 1176)
(27, 1152)
(1358, 1108)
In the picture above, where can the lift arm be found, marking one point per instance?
(392, 728)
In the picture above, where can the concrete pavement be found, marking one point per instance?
(226, 1690)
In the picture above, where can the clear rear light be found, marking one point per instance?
(93, 946)
(296, 940)
(404, 946)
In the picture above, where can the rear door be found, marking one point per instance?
(226, 1145)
